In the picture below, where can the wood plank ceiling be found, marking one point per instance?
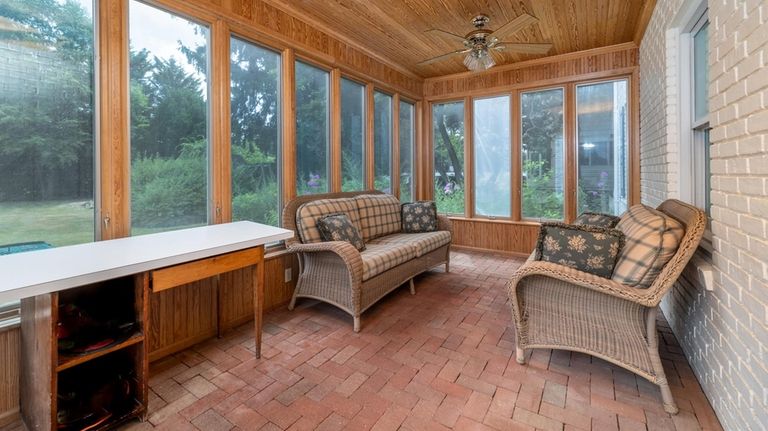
(395, 29)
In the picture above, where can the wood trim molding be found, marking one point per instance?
(220, 126)
(469, 162)
(288, 138)
(642, 23)
(335, 129)
(571, 146)
(516, 169)
(395, 153)
(370, 168)
(114, 177)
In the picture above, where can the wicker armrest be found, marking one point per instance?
(346, 251)
(444, 223)
(582, 279)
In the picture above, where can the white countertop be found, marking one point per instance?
(43, 271)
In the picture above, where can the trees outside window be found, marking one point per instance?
(47, 143)
(169, 120)
(543, 154)
(352, 135)
(312, 133)
(255, 123)
(448, 145)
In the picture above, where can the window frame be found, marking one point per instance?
(362, 84)
(512, 148)
(392, 137)
(429, 124)
(212, 209)
(414, 146)
(566, 162)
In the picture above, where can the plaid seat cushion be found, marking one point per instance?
(651, 239)
(379, 215)
(424, 242)
(378, 258)
(308, 214)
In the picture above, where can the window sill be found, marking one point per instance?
(700, 271)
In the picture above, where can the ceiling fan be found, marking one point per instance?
(481, 42)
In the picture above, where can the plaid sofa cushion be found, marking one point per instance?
(586, 248)
(597, 219)
(337, 227)
(419, 217)
(378, 258)
(652, 239)
(379, 215)
(424, 242)
(309, 213)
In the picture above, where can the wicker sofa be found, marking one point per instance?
(337, 273)
(559, 307)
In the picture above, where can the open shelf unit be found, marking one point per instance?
(85, 355)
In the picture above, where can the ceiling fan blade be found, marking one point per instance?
(525, 48)
(443, 57)
(514, 26)
(439, 32)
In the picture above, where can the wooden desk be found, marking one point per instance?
(115, 278)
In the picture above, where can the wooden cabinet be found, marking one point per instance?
(84, 355)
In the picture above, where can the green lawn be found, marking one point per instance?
(55, 222)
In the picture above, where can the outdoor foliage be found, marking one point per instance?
(448, 131)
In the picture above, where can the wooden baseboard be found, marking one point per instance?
(490, 250)
(9, 416)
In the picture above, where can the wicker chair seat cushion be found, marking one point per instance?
(424, 242)
(308, 214)
(337, 227)
(379, 215)
(651, 239)
(597, 219)
(378, 258)
(587, 248)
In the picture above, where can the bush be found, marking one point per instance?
(168, 192)
(259, 206)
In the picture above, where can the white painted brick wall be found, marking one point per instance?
(724, 333)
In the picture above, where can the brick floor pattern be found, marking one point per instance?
(442, 359)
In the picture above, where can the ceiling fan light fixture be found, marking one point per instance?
(478, 60)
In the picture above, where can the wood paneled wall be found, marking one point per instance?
(10, 348)
(515, 234)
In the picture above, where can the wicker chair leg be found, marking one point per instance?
(292, 304)
(653, 349)
(413, 287)
(520, 356)
(666, 396)
(356, 326)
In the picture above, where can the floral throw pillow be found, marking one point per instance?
(587, 248)
(338, 227)
(597, 219)
(419, 217)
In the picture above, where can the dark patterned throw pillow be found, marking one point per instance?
(420, 216)
(338, 227)
(587, 248)
(597, 219)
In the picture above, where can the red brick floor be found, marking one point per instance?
(442, 359)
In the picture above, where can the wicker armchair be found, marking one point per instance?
(333, 271)
(557, 307)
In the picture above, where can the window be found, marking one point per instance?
(352, 136)
(603, 143)
(448, 147)
(406, 140)
(492, 156)
(382, 142)
(312, 133)
(47, 142)
(169, 121)
(700, 119)
(255, 122)
(543, 154)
